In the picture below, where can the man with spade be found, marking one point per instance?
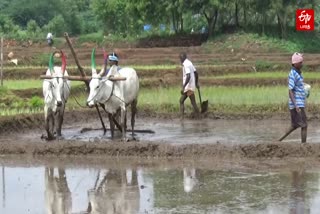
(189, 84)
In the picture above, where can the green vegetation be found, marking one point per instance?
(225, 99)
(28, 84)
(36, 102)
(296, 42)
(272, 21)
(265, 75)
(166, 100)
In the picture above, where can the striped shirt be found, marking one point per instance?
(295, 83)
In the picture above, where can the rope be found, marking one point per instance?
(111, 94)
(75, 99)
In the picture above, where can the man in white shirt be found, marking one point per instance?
(50, 39)
(190, 83)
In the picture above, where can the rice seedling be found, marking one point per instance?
(166, 100)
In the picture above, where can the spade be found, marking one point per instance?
(204, 104)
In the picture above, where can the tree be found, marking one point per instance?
(40, 11)
(111, 13)
(33, 28)
(262, 8)
(209, 9)
(6, 25)
(57, 26)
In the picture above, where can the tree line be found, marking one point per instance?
(31, 18)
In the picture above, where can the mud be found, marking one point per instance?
(172, 139)
(161, 150)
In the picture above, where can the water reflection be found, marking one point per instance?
(297, 194)
(189, 179)
(142, 190)
(115, 193)
(121, 191)
(57, 193)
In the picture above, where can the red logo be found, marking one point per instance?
(305, 19)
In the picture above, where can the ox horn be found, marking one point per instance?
(64, 62)
(104, 67)
(105, 60)
(93, 62)
(51, 63)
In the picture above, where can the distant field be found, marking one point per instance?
(276, 74)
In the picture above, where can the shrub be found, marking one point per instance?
(57, 26)
(36, 102)
(33, 29)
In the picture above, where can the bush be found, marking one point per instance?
(33, 29)
(57, 26)
(41, 59)
(92, 37)
(36, 102)
(263, 65)
(7, 26)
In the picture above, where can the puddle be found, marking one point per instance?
(230, 132)
(39, 190)
(206, 131)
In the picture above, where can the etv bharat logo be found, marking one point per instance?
(305, 19)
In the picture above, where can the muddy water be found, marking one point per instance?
(174, 131)
(139, 189)
(205, 131)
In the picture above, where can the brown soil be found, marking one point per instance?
(167, 55)
(11, 126)
(161, 150)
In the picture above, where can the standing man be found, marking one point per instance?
(189, 84)
(297, 97)
(50, 39)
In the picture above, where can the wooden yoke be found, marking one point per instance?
(85, 79)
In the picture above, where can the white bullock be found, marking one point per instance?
(56, 92)
(115, 95)
(114, 194)
(57, 193)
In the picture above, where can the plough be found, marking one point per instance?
(86, 80)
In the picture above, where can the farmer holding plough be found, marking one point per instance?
(298, 91)
(190, 82)
(113, 62)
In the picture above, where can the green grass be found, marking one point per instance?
(310, 75)
(29, 84)
(296, 42)
(92, 37)
(223, 99)
(219, 95)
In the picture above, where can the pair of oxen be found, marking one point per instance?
(114, 96)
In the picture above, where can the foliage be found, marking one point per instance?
(36, 102)
(126, 18)
(92, 37)
(6, 25)
(33, 30)
(56, 26)
(41, 59)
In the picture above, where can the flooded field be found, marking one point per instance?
(173, 131)
(144, 189)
